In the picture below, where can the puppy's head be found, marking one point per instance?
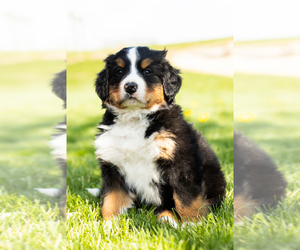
(138, 78)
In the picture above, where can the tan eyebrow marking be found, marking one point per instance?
(120, 62)
(145, 63)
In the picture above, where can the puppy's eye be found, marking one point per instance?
(147, 72)
(119, 72)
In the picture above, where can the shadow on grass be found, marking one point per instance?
(281, 143)
(16, 132)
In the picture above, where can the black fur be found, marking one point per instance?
(172, 82)
(101, 85)
(194, 169)
(59, 86)
(256, 176)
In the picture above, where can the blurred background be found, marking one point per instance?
(255, 44)
(266, 111)
(32, 51)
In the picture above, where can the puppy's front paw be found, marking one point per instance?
(107, 226)
(168, 219)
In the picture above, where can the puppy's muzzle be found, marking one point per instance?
(131, 87)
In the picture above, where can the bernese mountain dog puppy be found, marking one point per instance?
(148, 153)
(257, 181)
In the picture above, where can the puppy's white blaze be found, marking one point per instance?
(59, 146)
(125, 146)
(134, 76)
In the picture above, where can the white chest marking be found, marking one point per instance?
(59, 146)
(124, 145)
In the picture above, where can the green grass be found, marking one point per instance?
(273, 102)
(29, 220)
(29, 110)
(139, 229)
(29, 224)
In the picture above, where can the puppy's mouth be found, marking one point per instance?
(130, 96)
(130, 100)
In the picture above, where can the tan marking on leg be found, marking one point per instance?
(166, 144)
(197, 208)
(145, 63)
(120, 62)
(244, 207)
(166, 213)
(155, 96)
(114, 202)
(169, 217)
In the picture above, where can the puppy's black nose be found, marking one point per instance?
(131, 87)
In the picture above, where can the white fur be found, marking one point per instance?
(52, 192)
(171, 221)
(124, 145)
(59, 146)
(61, 126)
(94, 191)
(134, 76)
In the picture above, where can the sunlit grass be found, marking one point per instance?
(267, 109)
(29, 110)
(28, 224)
(200, 94)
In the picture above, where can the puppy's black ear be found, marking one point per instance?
(102, 80)
(171, 83)
(102, 85)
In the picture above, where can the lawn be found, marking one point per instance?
(266, 109)
(207, 101)
(29, 110)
